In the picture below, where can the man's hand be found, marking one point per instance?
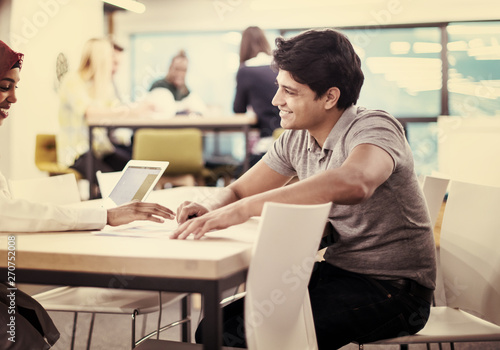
(218, 219)
(189, 210)
(138, 211)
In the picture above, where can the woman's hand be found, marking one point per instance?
(133, 211)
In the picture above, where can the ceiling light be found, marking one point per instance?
(130, 5)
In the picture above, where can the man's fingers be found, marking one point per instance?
(197, 227)
(185, 229)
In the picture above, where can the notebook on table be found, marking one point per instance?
(137, 180)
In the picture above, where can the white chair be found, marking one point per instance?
(115, 301)
(62, 190)
(470, 265)
(434, 189)
(277, 308)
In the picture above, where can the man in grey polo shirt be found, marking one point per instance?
(379, 270)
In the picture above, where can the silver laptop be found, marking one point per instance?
(137, 180)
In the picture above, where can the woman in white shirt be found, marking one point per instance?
(33, 325)
(24, 216)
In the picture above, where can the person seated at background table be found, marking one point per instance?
(175, 80)
(120, 137)
(184, 101)
(116, 62)
(89, 92)
(379, 271)
(32, 322)
(256, 86)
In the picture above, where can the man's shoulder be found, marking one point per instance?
(366, 116)
(363, 112)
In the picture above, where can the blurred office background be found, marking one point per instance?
(421, 60)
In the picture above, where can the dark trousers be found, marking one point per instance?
(346, 307)
(115, 161)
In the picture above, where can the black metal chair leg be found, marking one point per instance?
(91, 329)
(134, 314)
(75, 319)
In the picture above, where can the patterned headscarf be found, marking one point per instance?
(9, 58)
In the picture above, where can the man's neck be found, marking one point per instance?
(322, 131)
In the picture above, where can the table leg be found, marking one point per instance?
(246, 162)
(185, 313)
(90, 165)
(212, 331)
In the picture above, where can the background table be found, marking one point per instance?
(235, 122)
(208, 266)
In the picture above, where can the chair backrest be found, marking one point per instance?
(183, 148)
(469, 250)
(60, 189)
(277, 307)
(45, 150)
(434, 189)
(46, 156)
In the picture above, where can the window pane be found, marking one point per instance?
(474, 77)
(402, 68)
(423, 140)
(213, 62)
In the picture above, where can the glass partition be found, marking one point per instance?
(474, 74)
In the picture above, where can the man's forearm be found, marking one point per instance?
(224, 197)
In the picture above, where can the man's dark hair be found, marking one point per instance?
(322, 59)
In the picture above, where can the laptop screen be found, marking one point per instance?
(135, 183)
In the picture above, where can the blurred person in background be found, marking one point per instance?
(117, 60)
(186, 102)
(256, 86)
(120, 137)
(85, 93)
(175, 80)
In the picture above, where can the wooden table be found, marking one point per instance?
(209, 266)
(235, 122)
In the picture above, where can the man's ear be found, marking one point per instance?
(332, 97)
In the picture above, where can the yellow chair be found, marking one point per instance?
(46, 156)
(183, 148)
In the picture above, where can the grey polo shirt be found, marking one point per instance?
(388, 236)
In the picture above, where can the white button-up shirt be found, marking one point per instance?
(18, 215)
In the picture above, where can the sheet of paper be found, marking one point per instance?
(140, 229)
